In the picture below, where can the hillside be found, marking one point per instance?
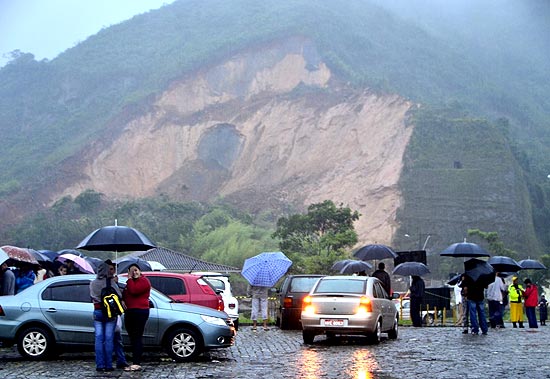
(288, 103)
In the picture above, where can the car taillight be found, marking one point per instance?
(220, 304)
(365, 305)
(287, 302)
(307, 307)
(2, 311)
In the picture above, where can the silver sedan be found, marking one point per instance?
(350, 305)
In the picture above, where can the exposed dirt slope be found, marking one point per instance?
(262, 128)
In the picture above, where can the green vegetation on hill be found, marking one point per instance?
(487, 56)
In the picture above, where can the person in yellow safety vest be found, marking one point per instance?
(515, 295)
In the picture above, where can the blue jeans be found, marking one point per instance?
(104, 336)
(477, 311)
(531, 316)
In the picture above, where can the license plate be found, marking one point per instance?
(334, 322)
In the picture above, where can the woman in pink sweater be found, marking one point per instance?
(136, 298)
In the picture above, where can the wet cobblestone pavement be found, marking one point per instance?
(431, 352)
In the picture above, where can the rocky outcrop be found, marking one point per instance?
(263, 127)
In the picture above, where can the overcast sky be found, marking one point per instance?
(46, 28)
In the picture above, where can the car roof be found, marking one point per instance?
(209, 273)
(168, 274)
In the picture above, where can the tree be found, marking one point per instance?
(313, 241)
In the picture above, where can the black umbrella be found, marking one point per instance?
(531, 264)
(479, 271)
(374, 252)
(504, 264)
(116, 238)
(354, 266)
(464, 250)
(411, 269)
(126, 262)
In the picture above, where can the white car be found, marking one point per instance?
(404, 312)
(221, 284)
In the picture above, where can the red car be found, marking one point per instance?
(185, 288)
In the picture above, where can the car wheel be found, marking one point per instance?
(184, 345)
(308, 337)
(375, 336)
(35, 343)
(392, 334)
(236, 324)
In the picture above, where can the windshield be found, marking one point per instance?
(341, 286)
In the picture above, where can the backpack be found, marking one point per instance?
(110, 301)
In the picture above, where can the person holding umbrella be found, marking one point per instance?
(476, 305)
(259, 305)
(417, 296)
(515, 294)
(494, 297)
(103, 325)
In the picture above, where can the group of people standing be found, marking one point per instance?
(15, 280)
(135, 301)
(470, 297)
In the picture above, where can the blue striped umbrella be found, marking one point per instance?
(266, 269)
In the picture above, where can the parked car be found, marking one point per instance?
(221, 284)
(55, 315)
(348, 305)
(290, 296)
(403, 307)
(185, 288)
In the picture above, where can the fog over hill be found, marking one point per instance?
(427, 118)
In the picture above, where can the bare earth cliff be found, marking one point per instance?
(262, 129)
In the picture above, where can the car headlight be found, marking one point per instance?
(214, 320)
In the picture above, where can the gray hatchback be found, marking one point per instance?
(56, 315)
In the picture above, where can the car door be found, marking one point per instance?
(68, 307)
(151, 335)
(174, 287)
(385, 305)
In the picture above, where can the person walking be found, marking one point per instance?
(8, 280)
(136, 297)
(384, 277)
(494, 298)
(259, 305)
(417, 296)
(543, 310)
(531, 300)
(515, 296)
(104, 326)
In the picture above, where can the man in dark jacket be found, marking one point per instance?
(417, 296)
(384, 277)
(476, 304)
